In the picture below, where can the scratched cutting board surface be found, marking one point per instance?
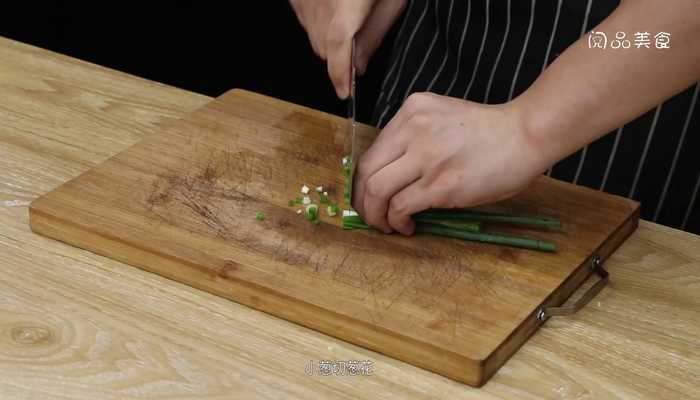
(182, 204)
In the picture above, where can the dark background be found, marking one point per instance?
(204, 47)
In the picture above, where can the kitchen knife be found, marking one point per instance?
(352, 124)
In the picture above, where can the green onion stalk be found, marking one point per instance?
(471, 215)
(466, 230)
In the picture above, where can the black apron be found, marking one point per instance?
(490, 51)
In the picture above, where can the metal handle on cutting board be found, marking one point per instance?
(597, 268)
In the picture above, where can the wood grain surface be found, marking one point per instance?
(80, 326)
(181, 203)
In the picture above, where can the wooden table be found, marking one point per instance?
(74, 325)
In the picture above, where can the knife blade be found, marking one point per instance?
(352, 124)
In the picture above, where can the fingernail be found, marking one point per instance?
(342, 93)
(408, 230)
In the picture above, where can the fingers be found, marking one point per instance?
(368, 39)
(349, 16)
(393, 165)
(405, 132)
(391, 144)
(382, 186)
(388, 147)
(416, 197)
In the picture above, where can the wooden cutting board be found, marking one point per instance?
(182, 204)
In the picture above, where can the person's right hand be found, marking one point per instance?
(332, 24)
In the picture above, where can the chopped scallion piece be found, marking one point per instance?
(311, 213)
(323, 198)
(260, 216)
(332, 210)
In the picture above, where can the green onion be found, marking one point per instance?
(353, 221)
(260, 216)
(470, 226)
(332, 210)
(525, 243)
(470, 215)
(311, 213)
(458, 231)
(323, 198)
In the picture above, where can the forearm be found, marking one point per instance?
(588, 92)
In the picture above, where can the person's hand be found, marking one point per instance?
(442, 152)
(332, 24)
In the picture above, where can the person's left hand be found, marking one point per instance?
(442, 152)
